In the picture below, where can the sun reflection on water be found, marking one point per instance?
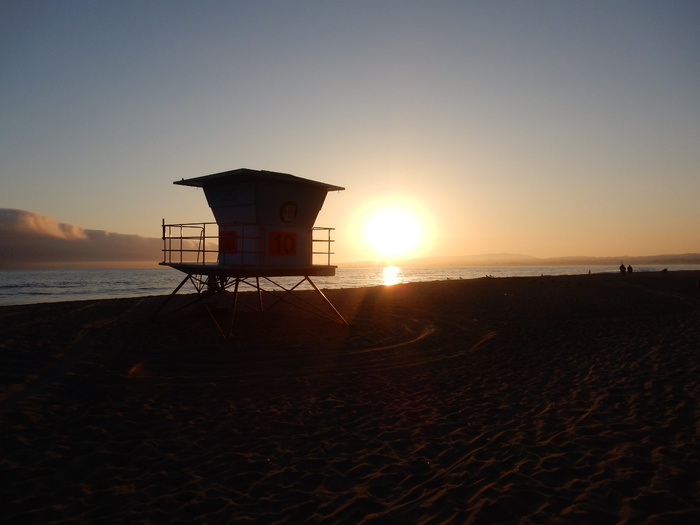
(391, 275)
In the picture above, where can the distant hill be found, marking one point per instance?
(511, 259)
(683, 258)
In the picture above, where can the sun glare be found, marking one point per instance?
(393, 232)
(391, 275)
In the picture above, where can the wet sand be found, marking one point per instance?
(570, 399)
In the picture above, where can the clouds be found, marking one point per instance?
(29, 239)
(29, 223)
(520, 128)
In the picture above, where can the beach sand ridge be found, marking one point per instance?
(570, 399)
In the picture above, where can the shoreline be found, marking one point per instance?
(55, 286)
(520, 399)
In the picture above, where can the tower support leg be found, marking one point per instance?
(327, 300)
(288, 295)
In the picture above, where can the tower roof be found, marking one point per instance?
(245, 174)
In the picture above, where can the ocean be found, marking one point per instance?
(19, 287)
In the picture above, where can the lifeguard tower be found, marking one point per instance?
(264, 229)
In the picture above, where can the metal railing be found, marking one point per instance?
(198, 242)
(325, 244)
(187, 242)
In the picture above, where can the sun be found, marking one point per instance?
(393, 232)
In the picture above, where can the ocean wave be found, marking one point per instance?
(34, 286)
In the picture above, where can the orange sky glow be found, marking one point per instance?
(549, 128)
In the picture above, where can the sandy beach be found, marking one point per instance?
(571, 399)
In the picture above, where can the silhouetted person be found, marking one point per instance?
(622, 269)
(629, 269)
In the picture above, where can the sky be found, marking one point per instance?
(547, 128)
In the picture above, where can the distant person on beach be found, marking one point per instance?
(629, 269)
(622, 269)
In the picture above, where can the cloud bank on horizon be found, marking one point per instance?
(32, 240)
